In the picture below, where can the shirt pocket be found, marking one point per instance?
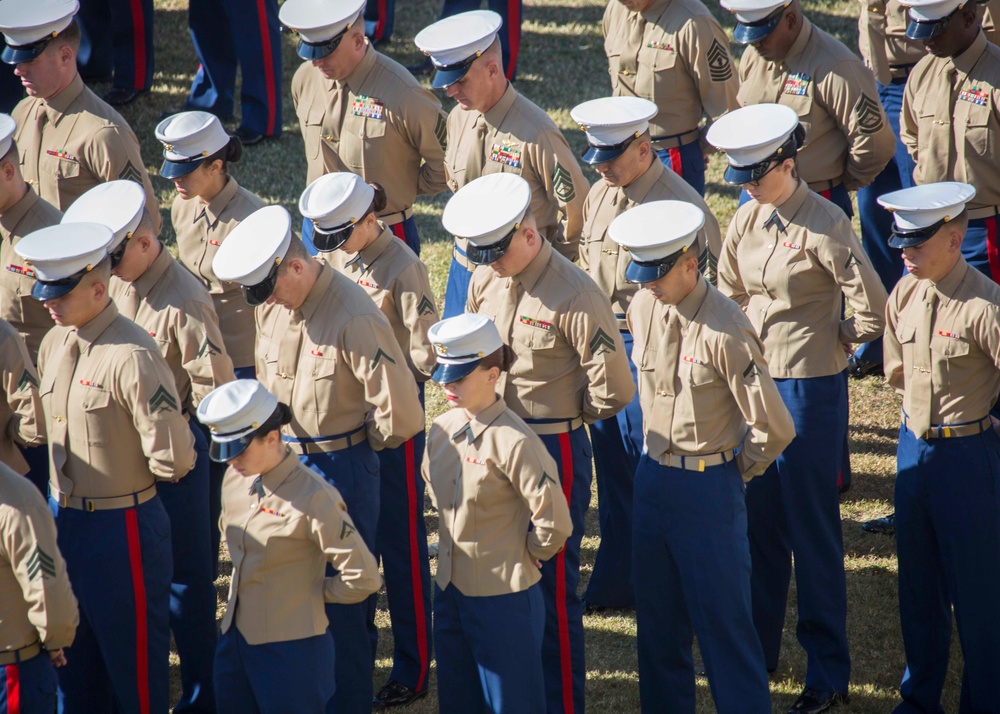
(697, 374)
(60, 168)
(657, 78)
(803, 106)
(978, 132)
(362, 142)
(98, 425)
(533, 347)
(312, 130)
(321, 372)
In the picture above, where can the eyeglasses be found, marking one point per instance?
(118, 253)
(484, 255)
(258, 294)
(330, 240)
(756, 177)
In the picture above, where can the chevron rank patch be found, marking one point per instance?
(130, 173)
(346, 530)
(161, 401)
(869, 115)
(41, 564)
(851, 260)
(506, 153)
(719, 67)
(380, 355)
(974, 95)
(208, 348)
(751, 372)
(797, 84)
(425, 306)
(600, 343)
(441, 131)
(27, 380)
(545, 477)
(365, 106)
(562, 182)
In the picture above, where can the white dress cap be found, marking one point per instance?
(656, 230)
(748, 11)
(337, 200)
(7, 128)
(61, 251)
(24, 22)
(486, 209)
(751, 134)
(236, 409)
(115, 204)
(931, 10)
(612, 120)
(317, 21)
(464, 338)
(191, 135)
(924, 206)
(258, 243)
(457, 38)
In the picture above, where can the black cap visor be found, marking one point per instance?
(746, 33)
(258, 294)
(25, 53)
(902, 238)
(928, 29)
(328, 240)
(223, 451)
(640, 271)
(119, 252)
(176, 169)
(603, 154)
(447, 75)
(319, 50)
(486, 254)
(447, 373)
(54, 289)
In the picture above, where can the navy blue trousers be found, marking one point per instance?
(563, 661)
(274, 678)
(405, 230)
(120, 564)
(692, 574)
(116, 37)
(380, 18)
(979, 248)
(456, 292)
(28, 687)
(11, 89)
(489, 652)
(686, 161)
(948, 544)
(355, 473)
(227, 33)
(794, 508)
(510, 31)
(617, 446)
(192, 590)
(38, 466)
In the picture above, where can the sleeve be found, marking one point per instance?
(892, 351)
(203, 353)
(427, 126)
(259, 363)
(474, 299)
(412, 293)
(113, 153)
(591, 328)
(730, 280)
(708, 261)
(332, 529)
(565, 185)
(989, 333)
(434, 433)
(871, 39)
(851, 97)
(20, 383)
(148, 385)
(390, 390)
(908, 122)
(589, 206)
(605, 30)
(29, 545)
(535, 477)
(712, 67)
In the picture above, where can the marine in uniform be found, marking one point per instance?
(69, 139)
(713, 419)
(153, 290)
(492, 481)
(942, 354)
(22, 423)
(117, 39)
(115, 427)
(675, 53)
(355, 243)
(570, 370)
(362, 112)
(325, 349)
(40, 614)
(790, 260)
(617, 130)
(494, 129)
(276, 651)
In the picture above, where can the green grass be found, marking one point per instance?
(562, 63)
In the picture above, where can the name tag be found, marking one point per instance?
(657, 45)
(540, 324)
(509, 154)
(371, 107)
(797, 84)
(974, 95)
(62, 154)
(21, 270)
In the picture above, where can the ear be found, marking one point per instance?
(145, 243)
(360, 41)
(8, 171)
(66, 53)
(99, 289)
(297, 266)
(215, 167)
(493, 376)
(955, 239)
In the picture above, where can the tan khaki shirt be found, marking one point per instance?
(200, 230)
(21, 416)
(120, 428)
(378, 123)
(280, 540)
(964, 343)
(397, 281)
(720, 382)
(75, 141)
(570, 360)
(28, 316)
(174, 308)
(36, 599)
(521, 138)
(606, 261)
(682, 63)
(950, 121)
(790, 283)
(337, 364)
(490, 479)
(848, 137)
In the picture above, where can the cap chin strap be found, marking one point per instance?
(924, 233)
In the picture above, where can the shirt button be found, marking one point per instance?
(770, 245)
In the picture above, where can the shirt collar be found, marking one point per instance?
(533, 270)
(654, 10)
(475, 427)
(88, 334)
(59, 104)
(145, 283)
(800, 44)
(640, 188)
(498, 112)
(315, 296)
(788, 209)
(692, 302)
(947, 285)
(276, 476)
(370, 253)
(356, 79)
(219, 202)
(10, 219)
(967, 60)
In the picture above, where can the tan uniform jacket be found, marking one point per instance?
(174, 308)
(119, 426)
(790, 282)
(570, 360)
(36, 599)
(720, 382)
(490, 479)
(200, 231)
(336, 363)
(848, 137)
(606, 261)
(75, 141)
(397, 281)
(280, 541)
(681, 62)
(951, 119)
(21, 418)
(964, 343)
(28, 316)
(521, 138)
(378, 123)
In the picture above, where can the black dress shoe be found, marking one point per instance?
(813, 701)
(885, 526)
(395, 694)
(860, 368)
(120, 96)
(249, 137)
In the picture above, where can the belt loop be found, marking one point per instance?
(63, 500)
(89, 505)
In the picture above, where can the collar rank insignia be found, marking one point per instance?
(797, 84)
(365, 106)
(21, 270)
(974, 95)
(540, 324)
(657, 45)
(504, 153)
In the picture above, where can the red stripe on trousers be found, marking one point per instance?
(383, 12)
(825, 193)
(991, 248)
(265, 46)
(13, 689)
(139, 593)
(418, 590)
(138, 44)
(513, 35)
(676, 165)
(562, 617)
(398, 231)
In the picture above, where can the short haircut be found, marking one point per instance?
(71, 35)
(296, 251)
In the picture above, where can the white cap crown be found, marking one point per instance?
(923, 206)
(317, 21)
(611, 120)
(454, 39)
(486, 209)
(64, 250)
(236, 409)
(336, 200)
(464, 338)
(751, 134)
(656, 230)
(24, 22)
(251, 250)
(115, 204)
